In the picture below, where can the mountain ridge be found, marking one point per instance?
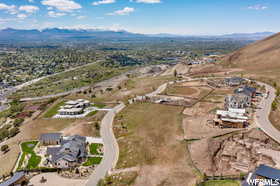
(70, 34)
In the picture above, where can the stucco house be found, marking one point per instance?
(238, 101)
(234, 81)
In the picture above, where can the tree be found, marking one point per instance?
(14, 131)
(278, 92)
(18, 121)
(274, 105)
(175, 73)
(4, 148)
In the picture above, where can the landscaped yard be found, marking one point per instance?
(28, 150)
(94, 148)
(221, 183)
(53, 110)
(92, 161)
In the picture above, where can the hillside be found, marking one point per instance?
(262, 56)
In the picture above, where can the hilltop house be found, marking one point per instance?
(234, 81)
(238, 101)
(74, 107)
(245, 90)
(232, 118)
(70, 153)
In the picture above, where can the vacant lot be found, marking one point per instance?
(181, 90)
(151, 136)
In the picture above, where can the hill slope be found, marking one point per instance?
(262, 56)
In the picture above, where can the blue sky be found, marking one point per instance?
(145, 16)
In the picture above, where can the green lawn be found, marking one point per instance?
(92, 161)
(221, 183)
(92, 113)
(27, 149)
(93, 148)
(53, 110)
(99, 105)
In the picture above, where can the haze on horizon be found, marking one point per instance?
(187, 17)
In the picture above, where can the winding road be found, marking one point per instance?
(111, 148)
(262, 114)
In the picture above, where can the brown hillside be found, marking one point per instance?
(262, 56)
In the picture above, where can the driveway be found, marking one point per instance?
(54, 179)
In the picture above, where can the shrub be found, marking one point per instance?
(4, 148)
(18, 121)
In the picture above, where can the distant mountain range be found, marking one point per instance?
(243, 36)
(58, 34)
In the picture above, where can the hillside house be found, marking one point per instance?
(51, 139)
(234, 81)
(19, 178)
(74, 107)
(264, 172)
(70, 153)
(232, 118)
(238, 101)
(246, 90)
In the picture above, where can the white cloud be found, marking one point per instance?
(146, 1)
(124, 11)
(62, 5)
(29, 8)
(21, 16)
(31, 1)
(101, 2)
(56, 14)
(11, 9)
(257, 7)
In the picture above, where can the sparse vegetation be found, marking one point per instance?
(221, 183)
(53, 110)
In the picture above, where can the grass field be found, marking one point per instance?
(92, 161)
(27, 149)
(53, 110)
(221, 183)
(150, 136)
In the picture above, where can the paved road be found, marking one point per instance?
(263, 114)
(159, 90)
(111, 148)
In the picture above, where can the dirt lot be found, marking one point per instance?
(234, 153)
(150, 136)
(181, 90)
(195, 123)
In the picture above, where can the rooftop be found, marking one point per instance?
(17, 176)
(268, 172)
